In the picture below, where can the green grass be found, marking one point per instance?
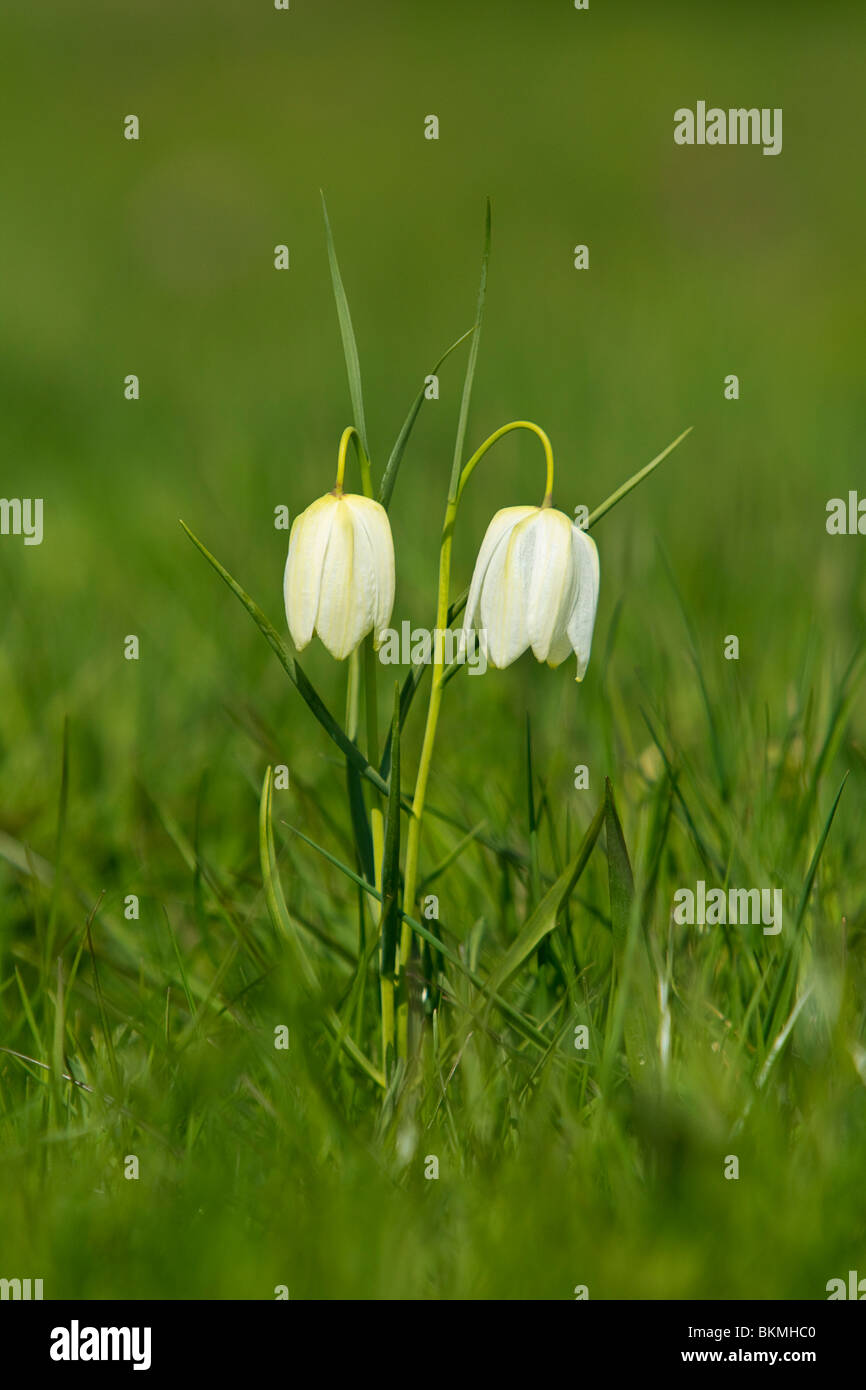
(154, 1037)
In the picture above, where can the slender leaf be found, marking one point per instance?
(514, 1016)
(391, 861)
(470, 838)
(392, 468)
(543, 920)
(413, 680)
(633, 481)
(283, 924)
(294, 671)
(620, 877)
(360, 823)
(629, 1014)
(785, 982)
(347, 333)
(816, 857)
(58, 845)
(463, 418)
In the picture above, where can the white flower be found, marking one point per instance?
(339, 579)
(535, 585)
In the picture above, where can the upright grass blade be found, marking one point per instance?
(816, 857)
(785, 983)
(103, 1013)
(543, 920)
(360, 824)
(206, 875)
(620, 877)
(390, 910)
(633, 481)
(534, 872)
(844, 700)
(392, 468)
(281, 918)
(513, 1015)
(413, 680)
(190, 1002)
(710, 859)
(28, 1011)
(347, 333)
(51, 926)
(463, 418)
(391, 862)
(283, 925)
(628, 1018)
(58, 1047)
(294, 671)
(709, 710)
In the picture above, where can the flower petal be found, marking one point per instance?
(373, 519)
(502, 523)
(552, 582)
(503, 594)
(582, 620)
(347, 598)
(308, 541)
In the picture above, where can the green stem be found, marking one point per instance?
(436, 686)
(386, 991)
(370, 694)
(352, 693)
(468, 468)
(350, 433)
(371, 703)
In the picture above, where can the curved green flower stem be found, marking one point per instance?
(469, 467)
(436, 687)
(350, 433)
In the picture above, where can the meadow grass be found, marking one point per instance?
(154, 1037)
(578, 1067)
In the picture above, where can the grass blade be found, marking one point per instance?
(542, 921)
(284, 926)
(628, 1019)
(463, 418)
(360, 824)
(816, 857)
(413, 680)
(51, 927)
(391, 861)
(513, 1015)
(392, 468)
(785, 983)
(620, 877)
(294, 671)
(347, 333)
(278, 912)
(633, 481)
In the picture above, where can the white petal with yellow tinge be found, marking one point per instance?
(339, 578)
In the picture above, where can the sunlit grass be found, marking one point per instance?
(580, 1067)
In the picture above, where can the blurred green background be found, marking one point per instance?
(156, 258)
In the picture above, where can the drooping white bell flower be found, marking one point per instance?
(339, 579)
(535, 585)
